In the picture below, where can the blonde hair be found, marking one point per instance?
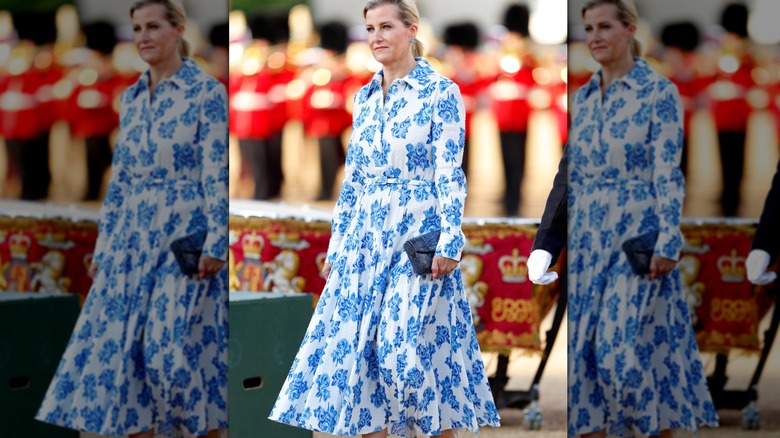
(407, 13)
(626, 14)
(174, 13)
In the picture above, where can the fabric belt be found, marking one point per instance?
(166, 182)
(618, 182)
(383, 180)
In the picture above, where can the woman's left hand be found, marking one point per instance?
(442, 266)
(209, 266)
(661, 266)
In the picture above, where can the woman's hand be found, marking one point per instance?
(325, 270)
(209, 266)
(442, 266)
(661, 266)
(92, 270)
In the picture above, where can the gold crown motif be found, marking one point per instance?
(514, 268)
(732, 268)
(19, 244)
(252, 244)
(320, 260)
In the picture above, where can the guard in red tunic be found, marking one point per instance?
(728, 97)
(679, 55)
(510, 105)
(325, 114)
(93, 115)
(258, 106)
(219, 53)
(27, 104)
(462, 66)
(281, 72)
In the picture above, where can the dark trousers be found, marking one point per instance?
(32, 162)
(253, 152)
(732, 162)
(513, 152)
(331, 158)
(275, 174)
(98, 160)
(465, 162)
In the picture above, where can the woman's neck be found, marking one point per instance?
(164, 69)
(615, 69)
(397, 70)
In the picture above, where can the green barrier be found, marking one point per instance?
(34, 330)
(266, 330)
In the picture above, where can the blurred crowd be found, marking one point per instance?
(285, 68)
(60, 80)
(60, 83)
(728, 82)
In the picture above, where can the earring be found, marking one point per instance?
(412, 41)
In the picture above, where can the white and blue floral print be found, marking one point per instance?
(149, 350)
(386, 348)
(634, 366)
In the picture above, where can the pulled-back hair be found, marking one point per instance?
(174, 13)
(626, 14)
(407, 13)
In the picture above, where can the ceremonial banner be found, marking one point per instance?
(284, 252)
(286, 255)
(725, 308)
(46, 255)
(277, 255)
(507, 308)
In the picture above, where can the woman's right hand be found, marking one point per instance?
(92, 270)
(661, 266)
(326, 270)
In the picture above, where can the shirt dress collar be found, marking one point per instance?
(418, 78)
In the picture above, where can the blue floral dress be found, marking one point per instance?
(634, 365)
(387, 348)
(149, 350)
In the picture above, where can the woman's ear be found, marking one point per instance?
(632, 30)
(413, 30)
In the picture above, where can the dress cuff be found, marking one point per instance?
(450, 245)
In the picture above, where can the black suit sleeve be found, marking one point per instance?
(551, 235)
(768, 233)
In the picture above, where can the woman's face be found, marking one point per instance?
(607, 38)
(155, 37)
(388, 37)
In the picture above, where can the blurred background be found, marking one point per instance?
(63, 66)
(295, 66)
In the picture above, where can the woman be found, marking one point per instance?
(633, 361)
(149, 351)
(387, 350)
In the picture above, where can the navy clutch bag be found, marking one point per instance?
(188, 250)
(639, 251)
(421, 250)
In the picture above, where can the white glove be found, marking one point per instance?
(538, 264)
(757, 262)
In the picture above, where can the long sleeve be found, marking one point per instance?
(551, 235)
(450, 181)
(666, 135)
(118, 187)
(350, 189)
(213, 139)
(767, 235)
